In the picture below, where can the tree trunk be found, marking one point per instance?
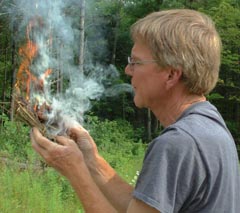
(115, 40)
(4, 84)
(149, 121)
(14, 70)
(118, 19)
(82, 22)
(155, 125)
(59, 79)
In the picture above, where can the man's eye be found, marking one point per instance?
(136, 63)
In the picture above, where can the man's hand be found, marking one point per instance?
(64, 155)
(85, 142)
(67, 158)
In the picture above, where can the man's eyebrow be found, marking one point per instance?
(135, 57)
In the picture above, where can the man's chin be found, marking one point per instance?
(138, 103)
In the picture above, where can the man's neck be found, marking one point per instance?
(169, 111)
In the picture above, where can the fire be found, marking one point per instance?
(24, 75)
(25, 79)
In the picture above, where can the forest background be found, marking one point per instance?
(121, 131)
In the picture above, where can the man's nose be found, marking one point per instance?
(128, 70)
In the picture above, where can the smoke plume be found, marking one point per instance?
(55, 30)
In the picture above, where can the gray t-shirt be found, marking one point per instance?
(192, 166)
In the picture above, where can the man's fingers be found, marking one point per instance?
(63, 140)
(76, 133)
(39, 140)
(35, 134)
(76, 129)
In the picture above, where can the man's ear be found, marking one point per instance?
(174, 76)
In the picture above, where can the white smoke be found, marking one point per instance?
(55, 31)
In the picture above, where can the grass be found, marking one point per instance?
(45, 191)
(37, 192)
(32, 190)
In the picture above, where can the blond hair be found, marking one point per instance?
(183, 39)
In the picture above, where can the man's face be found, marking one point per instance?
(147, 78)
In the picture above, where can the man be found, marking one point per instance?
(193, 165)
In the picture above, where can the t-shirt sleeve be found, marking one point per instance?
(172, 173)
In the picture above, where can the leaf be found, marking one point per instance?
(214, 96)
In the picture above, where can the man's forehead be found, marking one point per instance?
(140, 50)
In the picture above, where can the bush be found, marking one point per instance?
(14, 138)
(29, 190)
(117, 144)
(112, 136)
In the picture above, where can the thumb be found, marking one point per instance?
(77, 133)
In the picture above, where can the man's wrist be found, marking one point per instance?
(100, 170)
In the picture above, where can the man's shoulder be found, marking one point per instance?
(174, 141)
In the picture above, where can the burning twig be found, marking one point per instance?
(31, 100)
(31, 112)
(26, 114)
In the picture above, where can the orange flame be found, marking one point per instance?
(28, 52)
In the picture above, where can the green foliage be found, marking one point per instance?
(172, 4)
(114, 135)
(118, 132)
(118, 141)
(227, 19)
(42, 190)
(118, 144)
(230, 60)
(14, 138)
(35, 191)
(234, 129)
(226, 95)
(214, 96)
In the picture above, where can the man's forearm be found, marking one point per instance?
(88, 192)
(115, 189)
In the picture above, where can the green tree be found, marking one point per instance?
(227, 19)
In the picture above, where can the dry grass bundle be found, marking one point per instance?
(25, 113)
